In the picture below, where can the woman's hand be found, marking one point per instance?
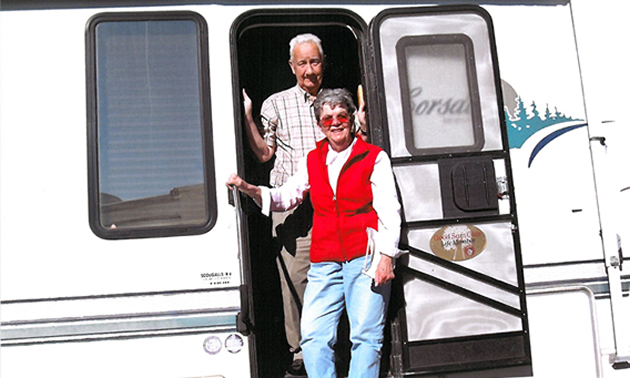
(245, 187)
(384, 271)
(234, 180)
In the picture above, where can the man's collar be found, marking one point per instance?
(307, 96)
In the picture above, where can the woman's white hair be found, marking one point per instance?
(303, 38)
(334, 97)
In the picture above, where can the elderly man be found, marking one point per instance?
(290, 132)
(352, 189)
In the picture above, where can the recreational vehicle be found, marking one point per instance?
(124, 254)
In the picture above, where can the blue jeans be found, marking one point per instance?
(331, 287)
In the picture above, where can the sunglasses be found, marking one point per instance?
(329, 120)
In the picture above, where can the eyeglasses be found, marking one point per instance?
(329, 120)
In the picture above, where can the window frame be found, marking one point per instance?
(476, 122)
(93, 127)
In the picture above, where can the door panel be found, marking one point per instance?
(462, 302)
(442, 71)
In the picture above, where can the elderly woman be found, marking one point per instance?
(352, 188)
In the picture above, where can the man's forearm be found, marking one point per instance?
(256, 142)
(261, 150)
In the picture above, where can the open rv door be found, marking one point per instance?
(462, 303)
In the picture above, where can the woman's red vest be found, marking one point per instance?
(340, 222)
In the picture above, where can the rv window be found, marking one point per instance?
(150, 152)
(438, 84)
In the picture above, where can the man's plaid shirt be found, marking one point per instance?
(290, 126)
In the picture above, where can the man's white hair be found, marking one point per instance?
(303, 38)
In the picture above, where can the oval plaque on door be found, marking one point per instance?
(458, 242)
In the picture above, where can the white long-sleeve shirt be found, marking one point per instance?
(385, 199)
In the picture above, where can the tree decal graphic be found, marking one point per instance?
(526, 121)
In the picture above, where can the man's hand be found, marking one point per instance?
(247, 106)
(258, 145)
(360, 114)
